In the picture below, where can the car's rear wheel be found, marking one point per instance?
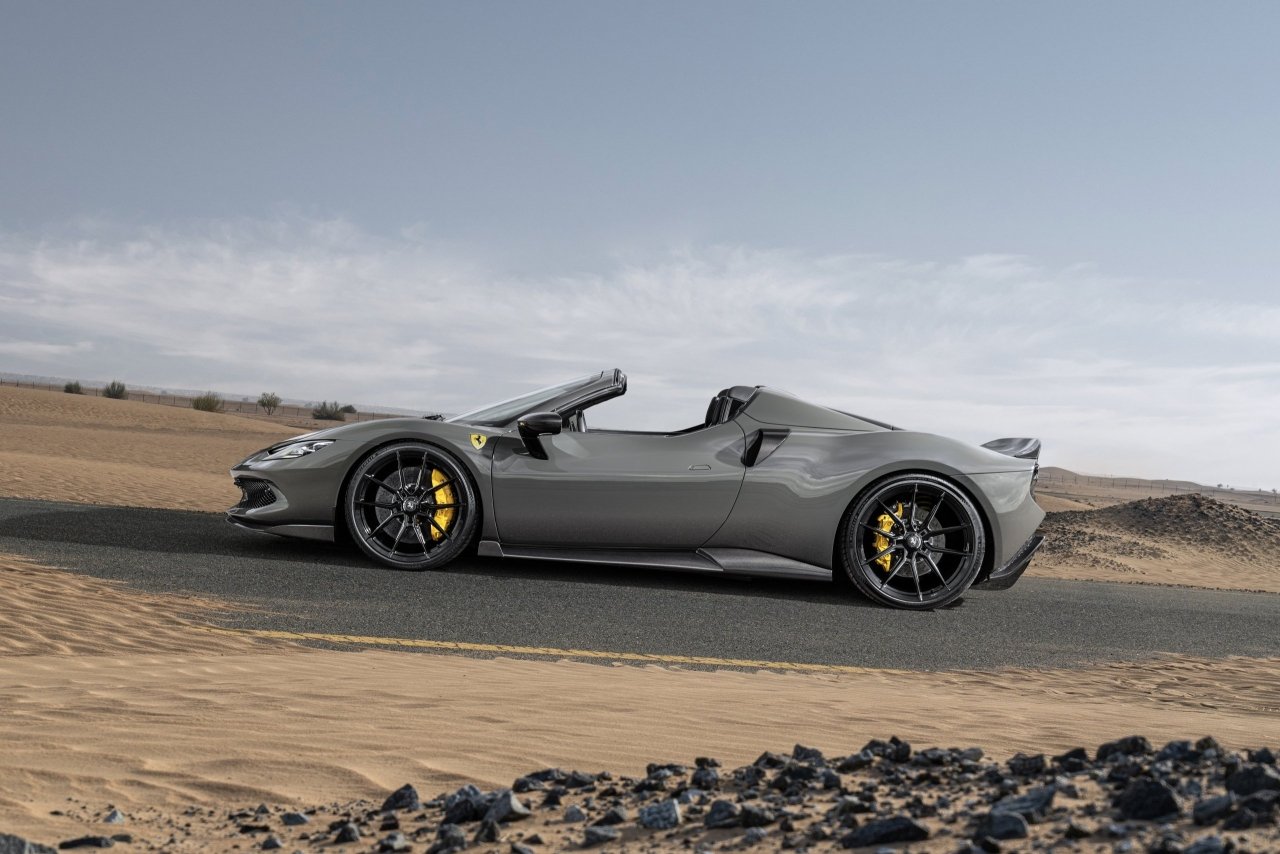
(912, 541)
(411, 506)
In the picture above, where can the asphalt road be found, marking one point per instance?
(303, 587)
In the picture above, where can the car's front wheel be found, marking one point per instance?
(411, 506)
(912, 541)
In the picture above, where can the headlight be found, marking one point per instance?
(297, 449)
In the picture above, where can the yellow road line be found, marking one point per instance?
(550, 652)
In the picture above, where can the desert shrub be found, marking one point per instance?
(349, 409)
(115, 390)
(73, 387)
(327, 411)
(269, 401)
(208, 402)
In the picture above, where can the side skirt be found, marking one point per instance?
(718, 561)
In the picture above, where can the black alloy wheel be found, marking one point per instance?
(913, 541)
(411, 506)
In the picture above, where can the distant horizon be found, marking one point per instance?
(377, 409)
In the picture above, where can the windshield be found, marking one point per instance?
(506, 411)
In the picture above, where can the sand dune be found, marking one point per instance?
(1184, 539)
(118, 697)
(65, 447)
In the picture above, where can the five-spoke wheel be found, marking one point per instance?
(913, 541)
(411, 505)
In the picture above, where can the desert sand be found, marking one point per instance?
(65, 447)
(117, 697)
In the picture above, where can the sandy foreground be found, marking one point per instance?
(112, 696)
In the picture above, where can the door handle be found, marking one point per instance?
(699, 467)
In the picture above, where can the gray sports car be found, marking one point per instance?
(767, 484)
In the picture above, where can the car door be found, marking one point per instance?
(618, 490)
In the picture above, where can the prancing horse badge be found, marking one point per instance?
(478, 440)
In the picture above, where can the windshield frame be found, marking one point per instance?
(579, 392)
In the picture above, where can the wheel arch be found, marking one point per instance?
(480, 486)
(951, 476)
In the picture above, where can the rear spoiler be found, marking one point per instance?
(1023, 449)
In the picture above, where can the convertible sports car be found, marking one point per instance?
(767, 484)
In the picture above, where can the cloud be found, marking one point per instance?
(42, 350)
(1116, 374)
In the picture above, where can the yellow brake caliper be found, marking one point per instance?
(443, 518)
(885, 523)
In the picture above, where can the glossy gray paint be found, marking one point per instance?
(683, 500)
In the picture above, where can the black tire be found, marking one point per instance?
(411, 505)
(913, 541)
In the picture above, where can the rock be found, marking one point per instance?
(1207, 845)
(578, 780)
(885, 831)
(87, 842)
(856, 762)
(1241, 819)
(1133, 745)
(403, 798)
(895, 749)
(1262, 756)
(271, 843)
(1264, 803)
(255, 828)
(506, 807)
(808, 755)
(771, 760)
(449, 837)
(1254, 778)
(1076, 830)
(1032, 806)
(830, 779)
(705, 778)
(615, 815)
(598, 835)
(1023, 765)
(464, 805)
(389, 822)
(1177, 751)
(1145, 799)
(723, 814)
(794, 775)
(348, 832)
(487, 831)
(754, 816)
(517, 848)
(574, 813)
(1001, 825)
(1212, 810)
(114, 817)
(663, 815)
(294, 819)
(1076, 759)
(754, 835)
(394, 842)
(10, 844)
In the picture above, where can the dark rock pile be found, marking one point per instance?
(1190, 797)
(1140, 528)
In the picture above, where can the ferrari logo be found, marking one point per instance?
(478, 440)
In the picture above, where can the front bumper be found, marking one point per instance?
(1006, 576)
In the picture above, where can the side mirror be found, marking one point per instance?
(534, 426)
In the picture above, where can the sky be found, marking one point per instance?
(977, 219)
